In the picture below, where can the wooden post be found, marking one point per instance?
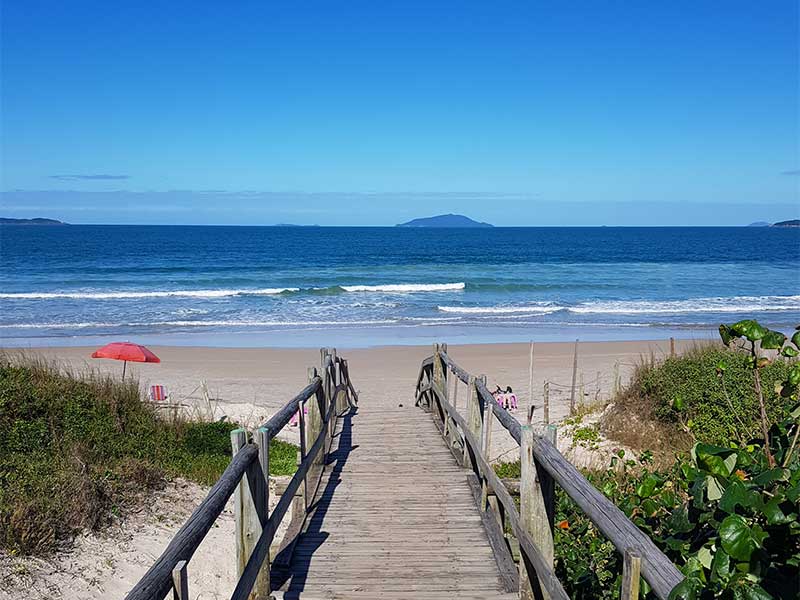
(546, 402)
(547, 482)
(261, 436)
(617, 382)
(302, 429)
(455, 392)
(672, 347)
(180, 582)
(581, 390)
(439, 382)
(533, 518)
(486, 447)
(530, 376)
(316, 407)
(574, 375)
(472, 416)
(251, 506)
(631, 569)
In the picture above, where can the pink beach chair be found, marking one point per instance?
(158, 393)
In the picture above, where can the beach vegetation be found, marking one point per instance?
(78, 450)
(706, 395)
(726, 511)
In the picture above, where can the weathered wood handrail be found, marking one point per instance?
(544, 572)
(157, 582)
(261, 550)
(246, 475)
(656, 568)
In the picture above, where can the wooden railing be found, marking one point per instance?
(542, 467)
(329, 394)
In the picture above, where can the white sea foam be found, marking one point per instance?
(403, 288)
(155, 294)
(230, 323)
(500, 310)
(736, 304)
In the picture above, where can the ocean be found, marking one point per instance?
(308, 286)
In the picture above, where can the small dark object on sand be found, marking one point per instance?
(400, 405)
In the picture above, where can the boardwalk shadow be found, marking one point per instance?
(300, 564)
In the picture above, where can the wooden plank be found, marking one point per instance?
(657, 569)
(534, 519)
(261, 549)
(180, 582)
(631, 572)
(544, 572)
(497, 540)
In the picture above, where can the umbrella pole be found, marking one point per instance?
(124, 364)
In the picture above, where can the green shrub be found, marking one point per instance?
(76, 451)
(686, 394)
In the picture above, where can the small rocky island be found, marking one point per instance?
(36, 221)
(791, 223)
(449, 220)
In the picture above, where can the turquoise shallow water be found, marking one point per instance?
(285, 286)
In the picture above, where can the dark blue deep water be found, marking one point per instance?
(308, 285)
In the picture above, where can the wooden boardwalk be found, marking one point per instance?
(395, 518)
(394, 514)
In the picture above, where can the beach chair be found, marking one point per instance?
(158, 393)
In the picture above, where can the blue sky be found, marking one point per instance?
(368, 113)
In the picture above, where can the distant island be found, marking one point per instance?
(38, 221)
(760, 224)
(444, 221)
(791, 223)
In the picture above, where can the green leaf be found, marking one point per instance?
(679, 520)
(679, 403)
(650, 507)
(772, 340)
(790, 352)
(793, 493)
(726, 334)
(794, 375)
(796, 338)
(751, 592)
(737, 494)
(774, 513)
(688, 589)
(721, 566)
(713, 488)
(715, 459)
(738, 539)
(648, 486)
(705, 557)
(749, 329)
(771, 475)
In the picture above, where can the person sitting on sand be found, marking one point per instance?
(510, 399)
(497, 394)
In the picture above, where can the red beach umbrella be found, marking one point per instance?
(126, 351)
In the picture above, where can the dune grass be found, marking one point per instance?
(77, 450)
(670, 404)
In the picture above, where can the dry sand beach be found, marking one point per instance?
(250, 384)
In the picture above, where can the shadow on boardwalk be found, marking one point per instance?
(298, 571)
